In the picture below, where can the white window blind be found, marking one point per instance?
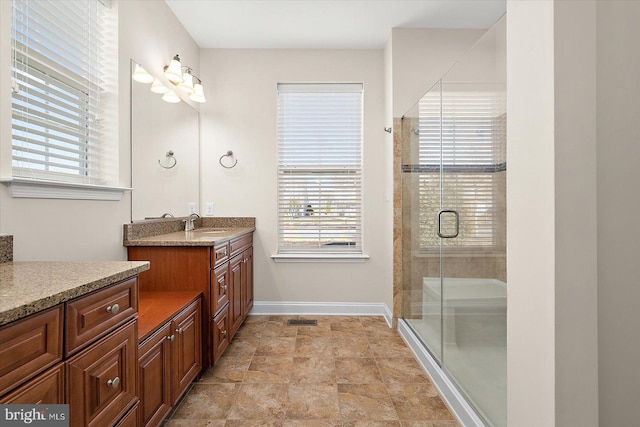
(57, 71)
(472, 126)
(320, 168)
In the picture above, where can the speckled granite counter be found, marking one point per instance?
(208, 232)
(6, 248)
(29, 287)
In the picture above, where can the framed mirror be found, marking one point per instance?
(165, 154)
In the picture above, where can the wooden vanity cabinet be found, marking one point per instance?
(94, 371)
(170, 353)
(223, 273)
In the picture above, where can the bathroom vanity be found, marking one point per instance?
(68, 334)
(215, 259)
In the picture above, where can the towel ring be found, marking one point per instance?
(170, 156)
(227, 154)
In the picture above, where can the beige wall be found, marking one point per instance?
(530, 215)
(240, 115)
(618, 184)
(420, 57)
(46, 229)
(576, 318)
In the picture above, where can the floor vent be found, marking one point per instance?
(302, 322)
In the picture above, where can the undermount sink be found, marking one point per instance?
(209, 231)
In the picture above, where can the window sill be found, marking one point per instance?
(320, 257)
(39, 189)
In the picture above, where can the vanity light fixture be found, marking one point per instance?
(158, 87)
(182, 77)
(173, 71)
(198, 93)
(171, 97)
(141, 75)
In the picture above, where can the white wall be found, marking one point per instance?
(618, 171)
(240, 115)
(46, 229)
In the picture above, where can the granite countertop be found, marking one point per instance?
(199, 237)
(170, 232)
(31, 286)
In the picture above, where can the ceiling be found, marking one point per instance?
(323, 24)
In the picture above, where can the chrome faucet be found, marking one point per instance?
(189, 224)
(167, 215)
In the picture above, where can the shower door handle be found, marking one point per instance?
(457, 222)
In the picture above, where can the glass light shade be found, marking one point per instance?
(158, 87)
(187, 84)
(141, 75)
(171, 97)
(173, 72)
(198, 94)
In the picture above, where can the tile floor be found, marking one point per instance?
(344, 372)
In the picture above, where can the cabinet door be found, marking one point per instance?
(131, 419)
(154, 370)
(247, 283)
(186, 349)
(29, 346)
(220, 291)
(46, 388)
(236, 266)
(220, 328)
(101, 380)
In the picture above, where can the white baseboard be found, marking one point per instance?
(321, 308)
(450, 394)
(388, 316)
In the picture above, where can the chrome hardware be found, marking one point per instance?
(457, 217)
(113, 309)
(171, 338)
(224, 332)
(224, 287)
(114, 382)
(179, 330)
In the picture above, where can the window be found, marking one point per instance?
(319, 168)
(58, 82)
(473, 153)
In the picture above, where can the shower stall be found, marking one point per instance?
(453, 174)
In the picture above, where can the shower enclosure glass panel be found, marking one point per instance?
(454, 224)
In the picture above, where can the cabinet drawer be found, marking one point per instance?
(131, 419)
(29, 346)
(101, 380)
(220, 330)
(90, 316)
(220, 288)
(220, 254)
(239, 244)
(46, 388)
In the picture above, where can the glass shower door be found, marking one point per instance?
(454, 224)
(472, 227)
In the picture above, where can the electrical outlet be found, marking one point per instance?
(208, 209)
(191, 208)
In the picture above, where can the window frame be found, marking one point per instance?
(332, 174)
(36, 184)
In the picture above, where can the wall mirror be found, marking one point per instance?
(165, 154)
